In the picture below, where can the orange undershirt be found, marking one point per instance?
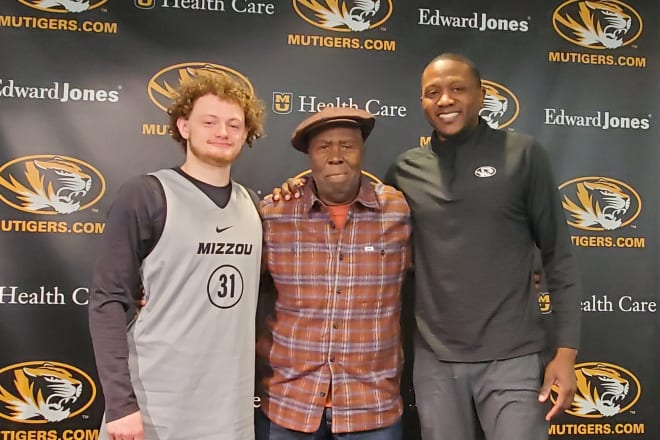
(339, 214)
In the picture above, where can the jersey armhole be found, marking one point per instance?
(255, 199)
(160, 202)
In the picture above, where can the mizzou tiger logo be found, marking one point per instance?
(44, 392)
(500, 107)
(604, 24)
(63, 5)
(48, 184)
(600, 203)
(603, 390)
(344, 15)
(163, 85)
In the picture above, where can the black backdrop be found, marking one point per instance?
(80, 112)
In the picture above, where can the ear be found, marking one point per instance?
(183, 126)
(483, 95)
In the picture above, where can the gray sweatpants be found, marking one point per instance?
(495, 400)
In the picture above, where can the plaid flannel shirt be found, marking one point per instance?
(335, 325)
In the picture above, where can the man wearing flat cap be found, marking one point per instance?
(330, 357)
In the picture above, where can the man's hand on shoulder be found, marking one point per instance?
(288, 190)
(126, 428)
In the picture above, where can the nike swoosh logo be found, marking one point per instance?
(219, 230)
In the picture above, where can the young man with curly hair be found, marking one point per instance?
(185, 370)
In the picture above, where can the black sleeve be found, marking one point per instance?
(134, 224)
(390, 175)
(548, 223)
(255, 199)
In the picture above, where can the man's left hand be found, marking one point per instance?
(560, 372)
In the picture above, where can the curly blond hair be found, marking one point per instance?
(225, 87)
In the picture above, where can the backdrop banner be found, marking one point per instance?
(84, 85)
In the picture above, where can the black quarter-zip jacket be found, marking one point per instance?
(480, 206)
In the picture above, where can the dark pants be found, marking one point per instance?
(267, 430)
(495, 400)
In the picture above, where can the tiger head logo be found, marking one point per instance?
(600, 390)
(500, 106)
(69, 5)
(600, 24)
(342, 15)
(603, 390)
(63, 6)
(601, 203)
(51, 184)
(46, 392)
(494, 106)
(162, 87)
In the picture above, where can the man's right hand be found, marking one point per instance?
(127, 428)
(289, 189)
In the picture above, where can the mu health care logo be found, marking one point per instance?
(162, 86)
(63, 6)
(500, 107)
(44, 391)
(50, 184)
(605, 24)
(545, 303)
(599, 203)
(344, 15)
(282, 102)
(603, 390)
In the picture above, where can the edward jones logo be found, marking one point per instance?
(601, 26)
(50, 184)
(162, 86)
(607, 24)
(599, 119)
(63, 6)
(61, 92)
(600, 203)
(344, 15)
(44, 391)
(603, 390)
(501, 106)
(477, 20)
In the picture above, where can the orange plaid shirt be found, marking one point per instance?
(335, 325)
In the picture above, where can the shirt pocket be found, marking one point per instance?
(380, 268)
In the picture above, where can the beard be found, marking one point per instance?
(218, 158)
